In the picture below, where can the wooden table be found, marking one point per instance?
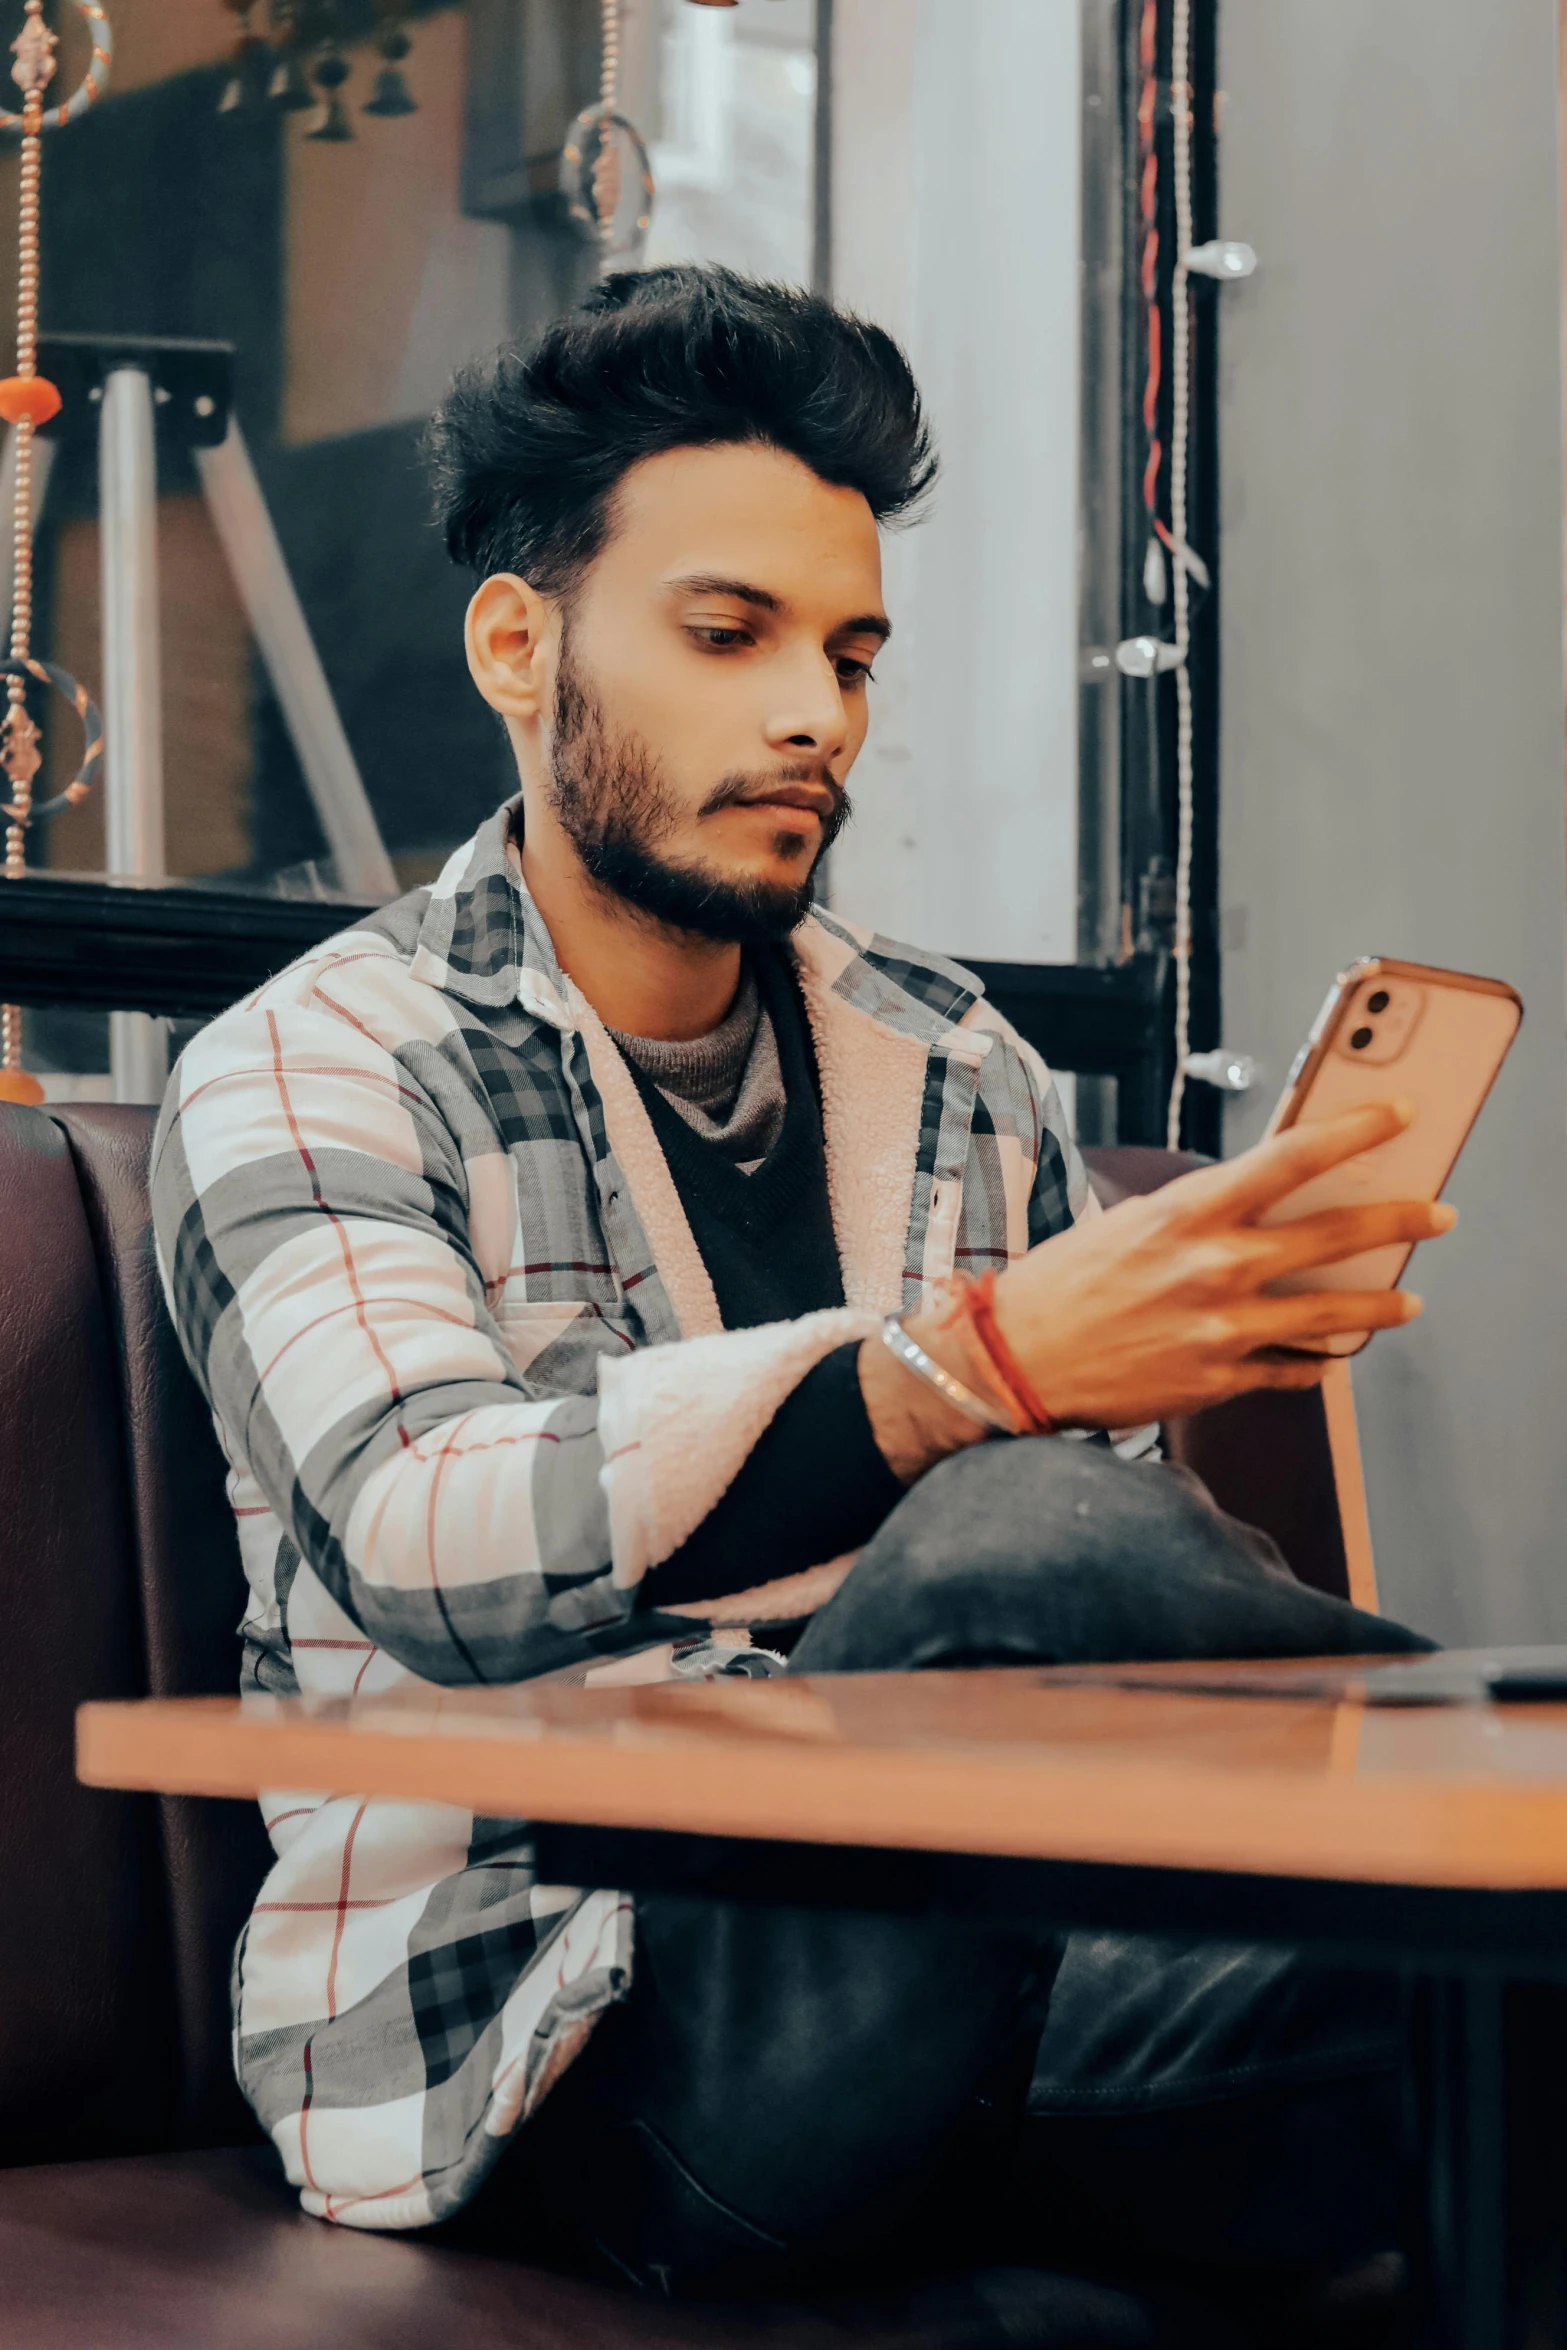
(1294, 1805)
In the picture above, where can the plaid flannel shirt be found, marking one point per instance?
(427, 1261)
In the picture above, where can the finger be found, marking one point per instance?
(1319, 1313)
(1243, 1187)
(1283, 1369)
(1336, 1233)
(1279, 1367)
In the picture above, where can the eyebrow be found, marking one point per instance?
(703, 583)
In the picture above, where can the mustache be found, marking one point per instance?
(738, 791)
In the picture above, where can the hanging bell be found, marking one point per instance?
(233, 93)
(289, 89)
(240, 90)
(391, 94)
(331, 126)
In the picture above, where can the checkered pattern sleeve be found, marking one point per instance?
(335, 1214)
(1043, 1170)
(315, 1216)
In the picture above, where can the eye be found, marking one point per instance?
(717, 638)
(852, 672)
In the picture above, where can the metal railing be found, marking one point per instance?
(186, 951)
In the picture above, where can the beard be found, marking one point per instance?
(616, 807)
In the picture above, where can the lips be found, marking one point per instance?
(789, 795)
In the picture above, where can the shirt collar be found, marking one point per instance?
(482, 938)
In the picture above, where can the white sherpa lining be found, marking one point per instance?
(677, 1422)
(772, 1603)
(873, 1087)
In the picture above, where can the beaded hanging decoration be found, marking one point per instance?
(613, 203)
(27, 400)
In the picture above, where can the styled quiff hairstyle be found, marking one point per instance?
(529, 446)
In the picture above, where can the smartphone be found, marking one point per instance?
(1437, 1037)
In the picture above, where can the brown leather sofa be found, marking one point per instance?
(138, 2207)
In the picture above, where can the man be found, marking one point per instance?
(538, 1244)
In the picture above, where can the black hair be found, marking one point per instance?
(529, 446)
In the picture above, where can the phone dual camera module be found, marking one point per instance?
(1381, 1020)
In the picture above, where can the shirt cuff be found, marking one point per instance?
(814, 1485)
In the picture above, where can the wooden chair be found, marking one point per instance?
(1289, 1463)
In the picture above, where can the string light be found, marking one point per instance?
(1180, 394)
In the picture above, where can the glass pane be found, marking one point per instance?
(351, 275)
(732, 121)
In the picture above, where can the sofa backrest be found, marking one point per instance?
(119, 1577)
(191, 1590)
(88, 2037)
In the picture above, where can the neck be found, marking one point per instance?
(639, 975)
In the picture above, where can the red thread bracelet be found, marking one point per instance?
(973, 1301)
(979, 1304)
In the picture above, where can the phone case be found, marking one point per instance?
(1387, 1028)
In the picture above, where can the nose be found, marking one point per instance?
(809, 717)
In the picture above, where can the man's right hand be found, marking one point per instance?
(1162, 1304)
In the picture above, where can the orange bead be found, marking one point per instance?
(19, 1085)
(32, 398)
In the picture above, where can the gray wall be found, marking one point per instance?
(1393, 738)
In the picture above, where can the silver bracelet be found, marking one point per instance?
(913, 1356)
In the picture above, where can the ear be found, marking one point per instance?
(512, 639)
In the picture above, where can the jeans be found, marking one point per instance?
(790, 2096)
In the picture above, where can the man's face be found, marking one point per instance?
(711, 687)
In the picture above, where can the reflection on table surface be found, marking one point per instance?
(1317, 1782)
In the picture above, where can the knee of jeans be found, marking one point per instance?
(1048, 1549)
(1004, 1549)
(1005, 1506)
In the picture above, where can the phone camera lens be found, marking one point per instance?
(1377, 1002)
(1360, 1040)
